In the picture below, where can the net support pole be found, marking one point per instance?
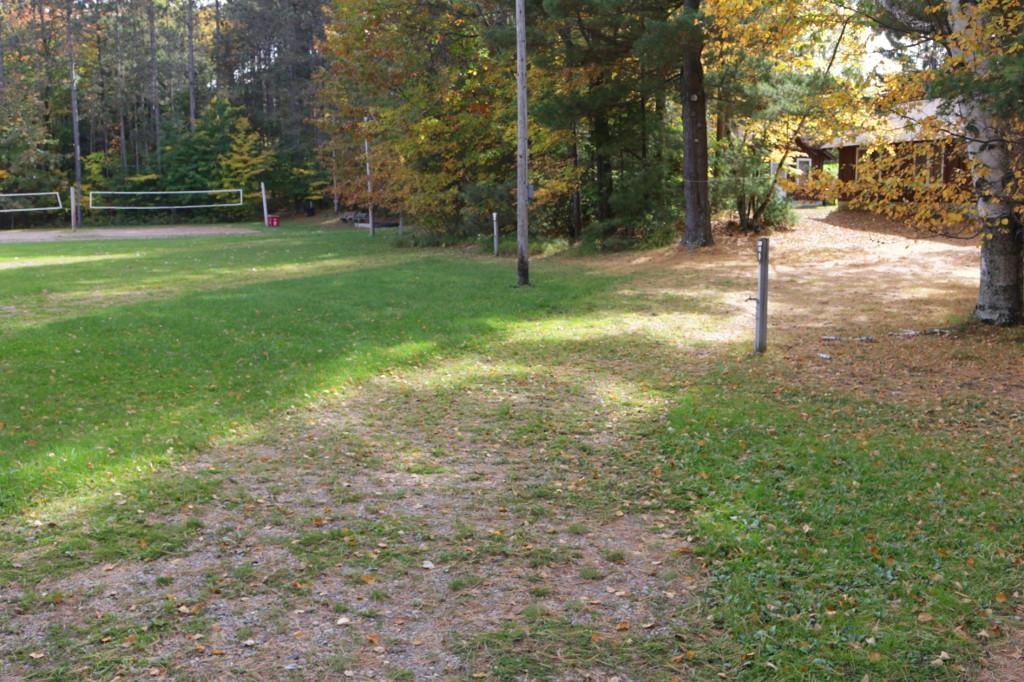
(494, 217)
(761, 327)
(73, 205)
(266, 215)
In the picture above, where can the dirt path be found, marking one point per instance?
(494, 515)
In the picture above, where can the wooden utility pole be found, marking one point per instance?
(522, 151)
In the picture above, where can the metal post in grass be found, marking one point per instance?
(71, 205)
(266, 216)
(494, 217)
(761, 328)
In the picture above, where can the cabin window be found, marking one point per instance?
(929, 158)
(860, 154)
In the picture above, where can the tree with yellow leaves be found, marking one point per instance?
(973, 50)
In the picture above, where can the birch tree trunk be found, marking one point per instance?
(1001, 288)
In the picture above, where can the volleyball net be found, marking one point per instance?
(155, 201)
(24, 202)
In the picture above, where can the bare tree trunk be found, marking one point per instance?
(191, 67)
(74, 110)
(1001, 288)
(601, 136)
(222, 76)
(576, 205)
(695, 136)
(44, 63)
(119, 61)
(3, 74)
(155, 80)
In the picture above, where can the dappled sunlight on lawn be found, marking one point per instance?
(673, 317)
(39, 262)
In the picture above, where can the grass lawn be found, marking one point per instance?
(591, 475)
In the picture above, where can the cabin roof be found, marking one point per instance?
(916, 122)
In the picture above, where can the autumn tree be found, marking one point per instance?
(972, 43)
(421, 82)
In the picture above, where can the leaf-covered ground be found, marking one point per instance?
(514, 511)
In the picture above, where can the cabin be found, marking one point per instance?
(925, 141)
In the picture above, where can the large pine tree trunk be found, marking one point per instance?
(575, 202)
(695, 136)
(601, 133)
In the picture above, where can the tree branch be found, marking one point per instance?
(907, 19)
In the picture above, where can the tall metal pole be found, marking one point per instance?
(522, 150)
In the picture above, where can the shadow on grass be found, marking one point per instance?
(98, 395)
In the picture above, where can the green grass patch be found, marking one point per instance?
(845, 537)
(111, 528)
(465, 582)
(117, 357)
(545, 648)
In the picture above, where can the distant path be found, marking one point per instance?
(87, 234)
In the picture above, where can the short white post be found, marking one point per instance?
(74, 208)
(266, 216)
(494, 217)
(761, 328)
